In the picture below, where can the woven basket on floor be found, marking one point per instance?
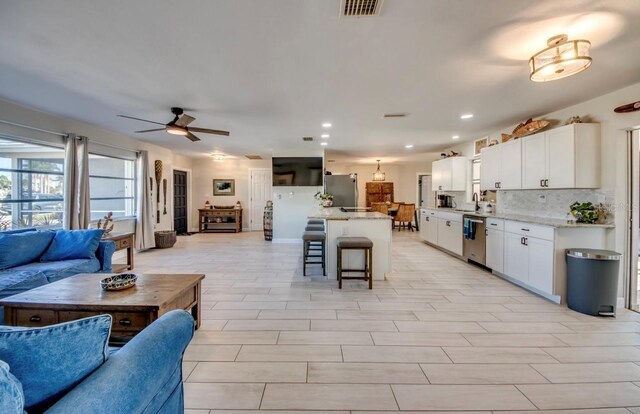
(165, 239)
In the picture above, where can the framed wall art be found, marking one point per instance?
(224, 187)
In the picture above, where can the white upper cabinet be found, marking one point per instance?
(565, 157)
(450, 174)
(501, 166)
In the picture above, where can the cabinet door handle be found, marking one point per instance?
(125, 321)
(486, 232)
(448, 223)
(495, 185)
(526, 241)
(541, 183)
(426, 219)
(35, 318)
(525, 229)
(499, 184)
(546, 182)
(521, 240)
(493, 224)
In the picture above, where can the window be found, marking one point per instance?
(31, 185)
(112, 186)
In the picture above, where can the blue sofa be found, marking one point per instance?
(143, 377)
(28, 276)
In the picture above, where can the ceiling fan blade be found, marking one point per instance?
(184, 120)
(149, 130)
(140, 119)
(209, 131)
(192, 137)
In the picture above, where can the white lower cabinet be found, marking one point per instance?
(516, 257)
(429, 226)
(495, 250)
(450, 235)
(540, 264)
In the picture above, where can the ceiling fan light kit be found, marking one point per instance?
(562, 58)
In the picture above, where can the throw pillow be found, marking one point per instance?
(73, 244)
(22, 248)
(11, 395)
(50, 361)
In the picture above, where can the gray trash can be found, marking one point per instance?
(592, 281)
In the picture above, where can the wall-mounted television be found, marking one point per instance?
(297, 171)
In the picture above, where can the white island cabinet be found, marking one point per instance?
(373, 225)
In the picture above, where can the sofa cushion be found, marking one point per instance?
(20, 248)
(11, 395)
(73, 244)
(52, 360)
(13, 282)
(55, 271)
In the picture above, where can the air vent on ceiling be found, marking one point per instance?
(395, 115)
(307, 138)
(254, 157)
(360, 8)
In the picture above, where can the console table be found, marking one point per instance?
(218, 220)
(122, 241)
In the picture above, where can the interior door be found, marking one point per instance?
(180, 202)
(260, 184)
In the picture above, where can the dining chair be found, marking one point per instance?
(405, 215)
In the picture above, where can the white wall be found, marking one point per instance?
(206, 170)
(26, 116)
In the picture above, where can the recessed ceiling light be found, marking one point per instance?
(326, 125)
(455, 137)
(323, 143)
(325, 136)
(466, 116)
(409, 146)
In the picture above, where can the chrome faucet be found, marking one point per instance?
(475, 198)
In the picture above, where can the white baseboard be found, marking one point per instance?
(287, 241)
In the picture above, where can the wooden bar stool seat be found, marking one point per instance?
(319, 240)
(356, 243)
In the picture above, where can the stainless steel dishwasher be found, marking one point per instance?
(474, 248)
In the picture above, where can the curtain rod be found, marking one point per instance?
(60, 134)
(113, 146)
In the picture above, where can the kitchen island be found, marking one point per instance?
(373, 225)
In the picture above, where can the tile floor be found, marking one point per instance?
(437, 335)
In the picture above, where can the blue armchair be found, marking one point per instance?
(143, 377)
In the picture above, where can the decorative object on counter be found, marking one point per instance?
(326, 200)
(488, 209)
(478, 144)
(584, 212)
(119, 282)
(525, 128)
(106, 225)
(165, 239)
(378, 175)
(224, 187)
(493, 142)
(238, 205)
(573, 120)
(158, 168)
(267, 221)
(207, 204)
(630, 107)
(561, 58)
(571, 219)
(164, 191)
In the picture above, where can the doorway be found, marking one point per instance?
(180, 202)
(426, 196)
(260, 193)
(632, 282)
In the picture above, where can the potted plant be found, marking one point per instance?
(326, 200)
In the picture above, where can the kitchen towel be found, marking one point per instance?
(469, 229)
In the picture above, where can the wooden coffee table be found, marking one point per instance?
(81, 296)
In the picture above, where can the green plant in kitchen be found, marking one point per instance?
(326, 199)
(584, 212)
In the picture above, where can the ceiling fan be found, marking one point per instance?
(179, 125)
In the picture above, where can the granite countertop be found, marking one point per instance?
(334, 213)
(543, 221)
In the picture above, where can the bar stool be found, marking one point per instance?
(315, 221)
(314, 227)
(319, 239)
(356, 243)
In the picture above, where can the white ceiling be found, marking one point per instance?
(271, 71)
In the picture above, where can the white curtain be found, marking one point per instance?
(145, 238)
(77, 210)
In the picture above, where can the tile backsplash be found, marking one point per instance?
(552, 204)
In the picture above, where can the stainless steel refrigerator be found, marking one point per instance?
(343, 188)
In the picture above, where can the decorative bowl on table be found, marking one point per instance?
(119, 282)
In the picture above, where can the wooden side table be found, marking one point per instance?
(123, 241)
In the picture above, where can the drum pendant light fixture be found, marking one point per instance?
(560, 59)
(378, 175)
